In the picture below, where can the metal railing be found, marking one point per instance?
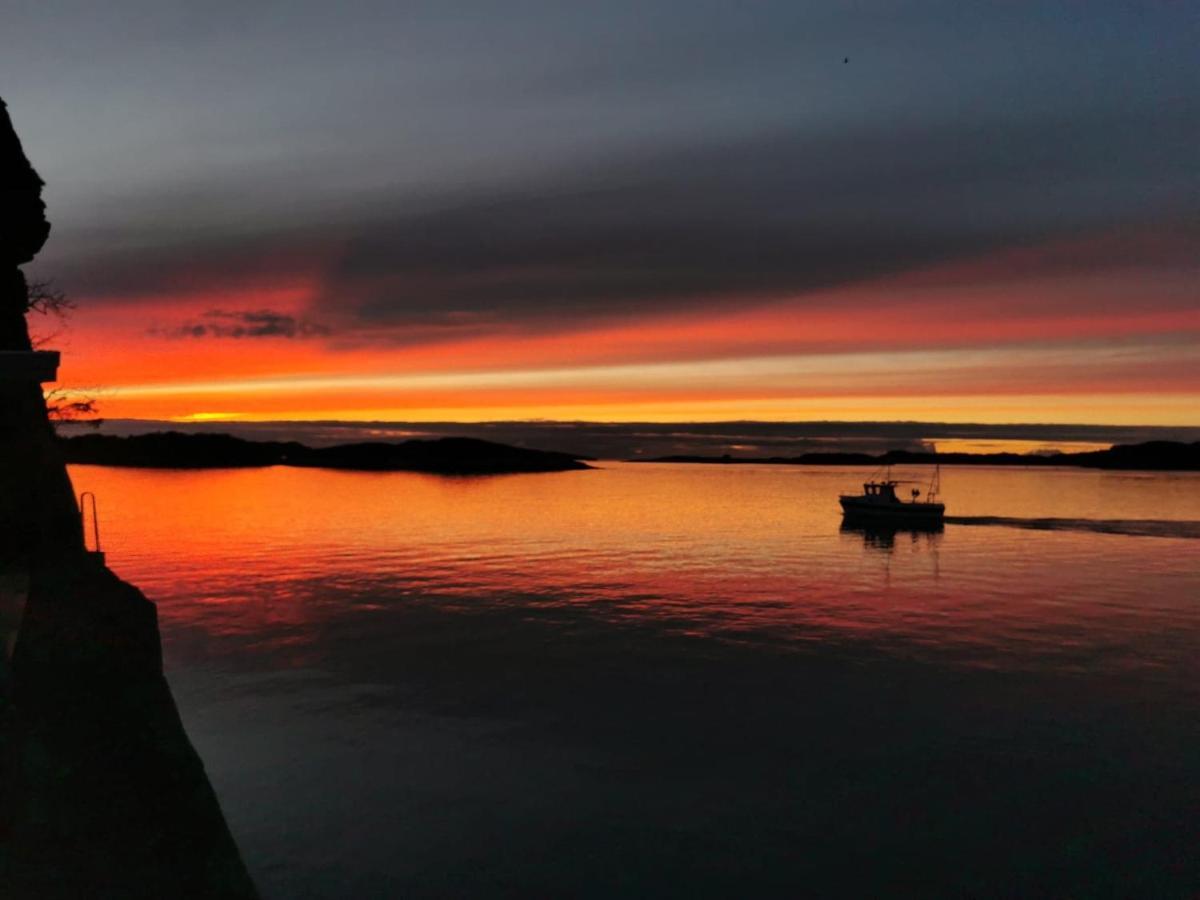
(83, 507)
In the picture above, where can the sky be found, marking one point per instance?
(619, 211)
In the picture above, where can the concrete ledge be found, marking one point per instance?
(32, 365)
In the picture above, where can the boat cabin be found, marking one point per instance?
(881, 490)
(879, 500)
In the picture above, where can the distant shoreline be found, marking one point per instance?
(1153, 456)
(444, 456)
(471, 456)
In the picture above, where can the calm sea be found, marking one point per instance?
(663, 680)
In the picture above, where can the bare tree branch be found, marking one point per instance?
(45, 298)
(70, 407)
(64, 406)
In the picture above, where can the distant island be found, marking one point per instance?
(444, 456)
(1159, 456)
(471, 456)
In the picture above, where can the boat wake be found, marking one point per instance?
(1175, 528)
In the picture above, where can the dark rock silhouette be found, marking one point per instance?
(23, 231)
(1165, 456)
(175, 450)
(37, 508)
(104, 795)
(101, 793)
(448, 456)
(470, 456)
(23, 224)
(445, 456)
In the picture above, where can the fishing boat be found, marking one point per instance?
(879, 502)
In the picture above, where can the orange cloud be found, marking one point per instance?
(1000, 331)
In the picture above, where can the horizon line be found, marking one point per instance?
(775, 423)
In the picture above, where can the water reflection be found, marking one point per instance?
(882, 536)
(665, 680)
(277, 566)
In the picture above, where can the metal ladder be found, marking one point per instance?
(84, 503)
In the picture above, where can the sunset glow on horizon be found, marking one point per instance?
(955, 343)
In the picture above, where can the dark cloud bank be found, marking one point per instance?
(257, 323)
(717, 224)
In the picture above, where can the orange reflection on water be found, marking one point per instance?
(285, 561)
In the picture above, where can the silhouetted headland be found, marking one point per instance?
(101, 793)
(445, 456)
(1157, 456)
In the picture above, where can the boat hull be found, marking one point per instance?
(863, 509)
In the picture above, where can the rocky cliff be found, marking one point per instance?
(37, 507)
(101, 793)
